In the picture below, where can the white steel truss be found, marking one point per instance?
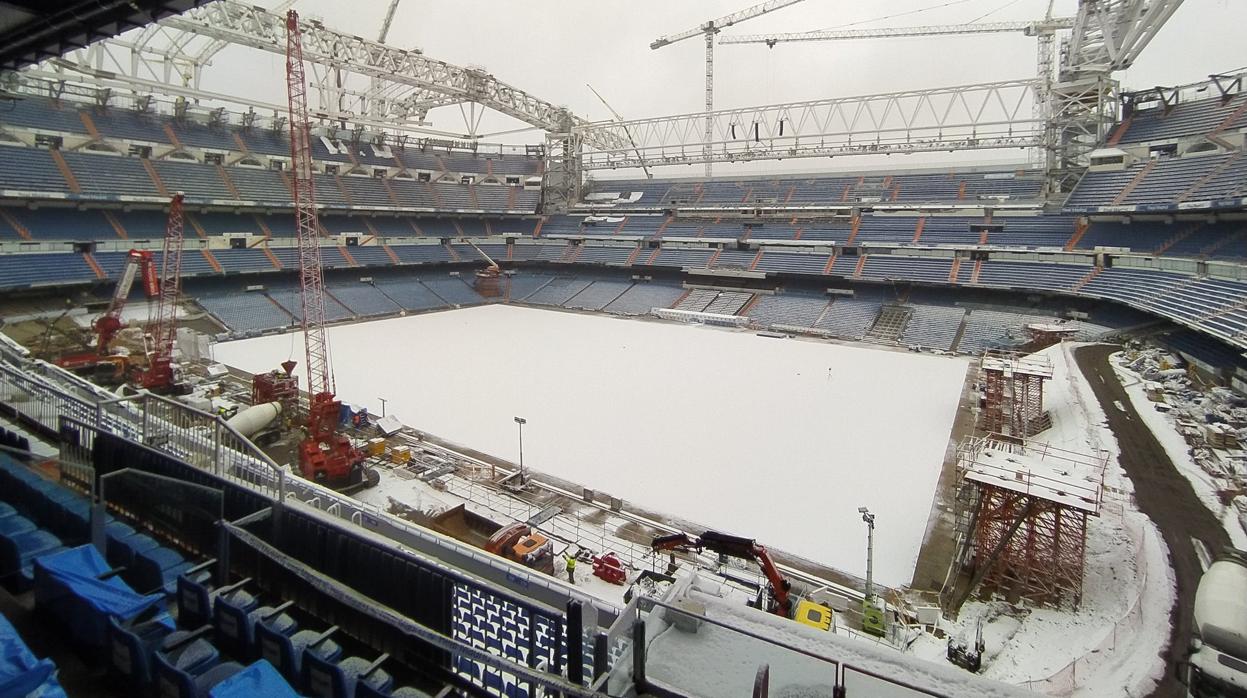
(900, 32)
(967, 117)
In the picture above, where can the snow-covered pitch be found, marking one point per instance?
(778, 440)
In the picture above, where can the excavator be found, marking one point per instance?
(777, 597)
(105, 367)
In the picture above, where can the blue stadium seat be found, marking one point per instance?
(235, 620)
(325, 679)
(286, 651)
(196, 596)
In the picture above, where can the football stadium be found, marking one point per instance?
(479, 349)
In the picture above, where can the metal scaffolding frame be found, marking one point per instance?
(1022, 512)
(1013, 388)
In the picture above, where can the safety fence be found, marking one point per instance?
(1122, 633)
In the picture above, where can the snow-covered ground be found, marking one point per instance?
(1112, 643)
(1166, 432)
(779, 440)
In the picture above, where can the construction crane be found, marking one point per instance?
(107, 325)
(162, 323)
(488, 280)
(1029, 28)
(778, 599)
(325, 455)
(619, 119)
(708, 30)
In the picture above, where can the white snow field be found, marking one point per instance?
(778, 440)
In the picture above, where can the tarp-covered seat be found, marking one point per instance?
(21, 673)
(77, 587)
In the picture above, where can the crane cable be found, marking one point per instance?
(950, 3)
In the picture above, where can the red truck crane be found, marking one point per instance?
(106, 326)
(778, 602)
(325, 455)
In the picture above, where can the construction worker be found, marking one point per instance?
(571, 568)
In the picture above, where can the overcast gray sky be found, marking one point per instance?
(552, 48)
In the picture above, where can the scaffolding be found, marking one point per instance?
(1042, 335)
(1022, 511)
(1013, 388)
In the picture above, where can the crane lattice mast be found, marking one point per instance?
(163, 325)
(311, 276)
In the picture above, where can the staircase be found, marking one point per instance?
(346, 195)
(172, 136)
(1211, 249)
(216, 266)
(952, 273)
(857, 221)
(155, 177)
(922, 223)
(390, 253)
(978, 268)
(89, 124)
(229, 183)
(861, 264)
(890, 323)
(116, 224)
(1186, 233)
(1138, 179)
(346, 254)
(272, 258)
(67, 174)
(95, 266)
(1216, 171)
(1080, 229)
(1086, 279)
(22, 231)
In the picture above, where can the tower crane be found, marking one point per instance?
(708, 29)
(162, 323)
(325, 455)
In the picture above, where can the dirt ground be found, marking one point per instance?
(1162, 493)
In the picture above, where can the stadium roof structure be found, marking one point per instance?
(33, 30)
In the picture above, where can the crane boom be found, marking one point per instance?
(1028, 28)
(714, 25)
(734, 546)
(325, 456)
(162, 326)
(385, 23)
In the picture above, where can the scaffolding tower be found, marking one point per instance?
(1013, 387)
(1022, 511)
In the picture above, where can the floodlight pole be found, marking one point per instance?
(520, 421)
(869, 519)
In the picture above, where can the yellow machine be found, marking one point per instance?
(814, 615)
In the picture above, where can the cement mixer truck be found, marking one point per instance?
(1216, 666)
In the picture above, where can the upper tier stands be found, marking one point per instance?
(950, 187)
(1165, 184)
(53, 116)
(1194, 118)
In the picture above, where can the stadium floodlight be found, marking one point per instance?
(869, 519)
(520, 422)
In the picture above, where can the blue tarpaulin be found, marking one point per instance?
(22, 675)
(259, 679)
(68, 584)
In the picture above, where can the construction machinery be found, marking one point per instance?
(488, 280)
(520, 543)
(775, 599)
(162, 318)
(325, 455)
(1216, 664)
(708, 30)
(98, 361)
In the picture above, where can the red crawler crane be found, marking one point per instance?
(162, 324)
(325, 455)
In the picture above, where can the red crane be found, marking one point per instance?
(325, 455)
(107, 325)
(162, 323)
(780, 602)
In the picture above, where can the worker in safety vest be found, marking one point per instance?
(571, 568)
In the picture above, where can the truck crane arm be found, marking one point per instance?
(738, 547)
(106, 326)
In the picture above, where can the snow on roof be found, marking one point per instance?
(1071, 479)
(1033, 365)
(722, 657)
